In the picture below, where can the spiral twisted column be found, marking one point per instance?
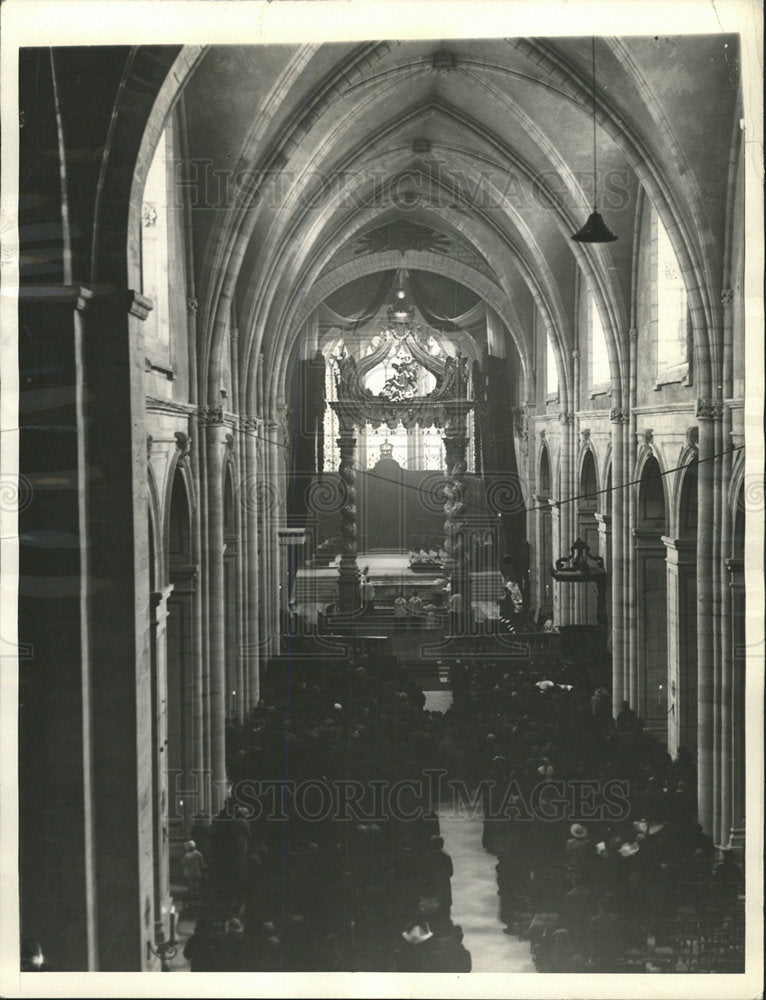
(348, 582)
(455, 508)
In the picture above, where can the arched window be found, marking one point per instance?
(551, 372)
(600, 374)
(672, 313)
(154, 255)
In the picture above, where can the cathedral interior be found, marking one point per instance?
(424, 358)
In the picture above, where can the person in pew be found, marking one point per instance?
(728, 881)
(450, 954)
(439, 873)
(606, 936)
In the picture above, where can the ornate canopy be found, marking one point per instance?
(397, 402)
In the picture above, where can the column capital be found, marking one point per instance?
(210, 416)
(727, 296)
(619, 415)
(709, 409)
(566, 417)
(633, 334)
(192, 305)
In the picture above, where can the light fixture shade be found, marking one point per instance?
(594, 231)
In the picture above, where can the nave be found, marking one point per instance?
(290, 312)
(490, 856)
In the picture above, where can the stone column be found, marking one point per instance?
(708, 411)
(234, 677)
(215, 446)
(728, 721)
(736, 748)
(196, 448)
(278, 447)
(682, 643)
(720, 827)
(557, 552)
(271, 496)
(252, 596)
(649, 673)
(567, 516)
(158, 639)
(620, 687)
(348, 574)
(184, 702)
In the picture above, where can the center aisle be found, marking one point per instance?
(475, 901)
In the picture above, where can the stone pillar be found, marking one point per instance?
(650, 672)
(277, 465)
(620, 685)
(708, 411)
(736, 749)
(628, 498)
(348, 574)
(88, 690)
(720, 829)
(682, 643)
(249, 495)
(234, 678)
(728, 678)
(269, 491)
(186, 793)
(158, 639)
(567, 516)
(215, 446)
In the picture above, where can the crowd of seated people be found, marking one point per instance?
(610, 871)
(297, 884)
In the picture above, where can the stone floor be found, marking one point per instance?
(475, 900)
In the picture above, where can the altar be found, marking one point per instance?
(315, 591)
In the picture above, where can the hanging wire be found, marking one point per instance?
(695, 462)
(595, 170)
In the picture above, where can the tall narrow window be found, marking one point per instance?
(600, 376)
(672, 310)
(551, 372)
(154, 256)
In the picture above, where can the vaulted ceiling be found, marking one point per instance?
(314, 166)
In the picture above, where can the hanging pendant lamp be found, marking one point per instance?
(401, 314)
(595, 229)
